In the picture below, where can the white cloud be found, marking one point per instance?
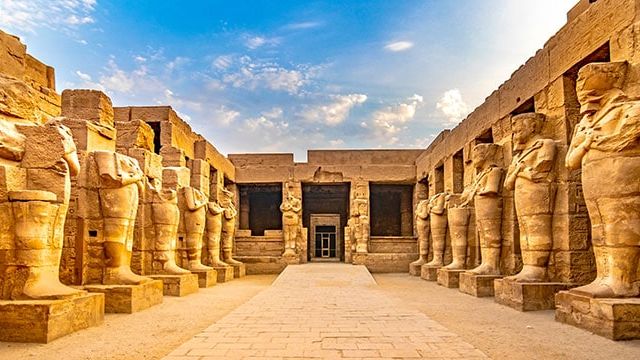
(117, 79)
(387, 123)
(83, 76)
(256, 74)
(254, 42)
(399, 46)
(453, 106)
(334, 113)
(225, 116)
(303, 25)
(336, 142)
(222, 62)
(140, 59)
(177, 62)
(23, 17)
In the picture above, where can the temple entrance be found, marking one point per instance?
(325, 210)
(325, 235)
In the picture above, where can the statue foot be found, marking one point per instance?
(435, 262)
(530, 274)
(456, 265)
(232, 262)
(289, 252)
(219, 263)
(123, 276)
(607, 288)
(198, 266)
(419, 262)
(485, 269)
(174, 269)
(43, 289)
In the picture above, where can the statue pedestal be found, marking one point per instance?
(292, 259)
(206, 278)
(42, 321)
(415, 270)
(449, 278)
(239, 270)
(128, 299)
(429, 272)
(616, 319)
(225, 273)
(477, 285)
(177, 285)
(527, 296)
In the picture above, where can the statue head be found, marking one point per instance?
(227, 197)
(486, 155)
(595, 79)
(525, 127)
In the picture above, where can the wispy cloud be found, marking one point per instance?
(399, 46)
(24, 17)
(335, 112)
(255, 42)
(453, 107)
(303, 25)
(387, 123)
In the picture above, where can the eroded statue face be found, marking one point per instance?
(596, 79)
(523, 129)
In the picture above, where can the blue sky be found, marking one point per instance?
(287, 76)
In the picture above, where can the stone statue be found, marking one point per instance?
(291, 209)
(422, 227)
(531, 174)
(606, 145)
(165, 216)
(438, 217)
(228, 228)
(36, 216)
(458, 222)
(193, 205)
(214, 233)
(120, 185)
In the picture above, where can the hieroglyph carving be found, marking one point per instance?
(532, 176)
(606, 145)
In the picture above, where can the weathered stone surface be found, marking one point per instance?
(477, 285)
(415, 269)
(527, 296)
(258, 265)
(616, 319)
(225, 273)
(206, 278)
(128, 299)
(449, 278)
(178, 285)
(430, 272)
(42, 321)
(239, 270)
(90, 105)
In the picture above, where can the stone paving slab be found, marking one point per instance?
(325, 311)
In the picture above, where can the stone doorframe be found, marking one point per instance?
(325, 220)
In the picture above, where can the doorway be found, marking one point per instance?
(325, 237)
(327, 205)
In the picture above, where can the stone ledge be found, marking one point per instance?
(527, 296)
(429, 272)
(128, 299)
(225, 273)
(478, 285)
(449, 278)
(616, 319)
(177, 285)
(384, 262)
(42, 321)
(206, 278)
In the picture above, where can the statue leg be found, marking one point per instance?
(165, 250)
(117, 250)
(213, 246)
(489, 224)
(39, 248)
(438, 237)
(227, 248)
(458, 219)
(535, 243)
(194, 250)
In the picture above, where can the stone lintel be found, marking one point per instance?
(478, 285)
(527, 296)
(42, 321)
(616, 319)
(449, 278)
(128, 299)
(178, 285)
(429, 272)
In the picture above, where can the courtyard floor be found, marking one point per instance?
(328, 311)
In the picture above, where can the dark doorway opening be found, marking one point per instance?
(391, 210)
(326, 199)
(263, 202)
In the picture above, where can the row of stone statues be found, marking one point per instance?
(605, 144)
(33, 218)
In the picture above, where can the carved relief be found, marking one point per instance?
(358, 223)
(606, 146)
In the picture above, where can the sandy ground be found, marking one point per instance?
(499, 331)
(149, 334)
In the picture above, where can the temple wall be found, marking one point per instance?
(603, 31)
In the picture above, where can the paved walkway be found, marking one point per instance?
(327, 311)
